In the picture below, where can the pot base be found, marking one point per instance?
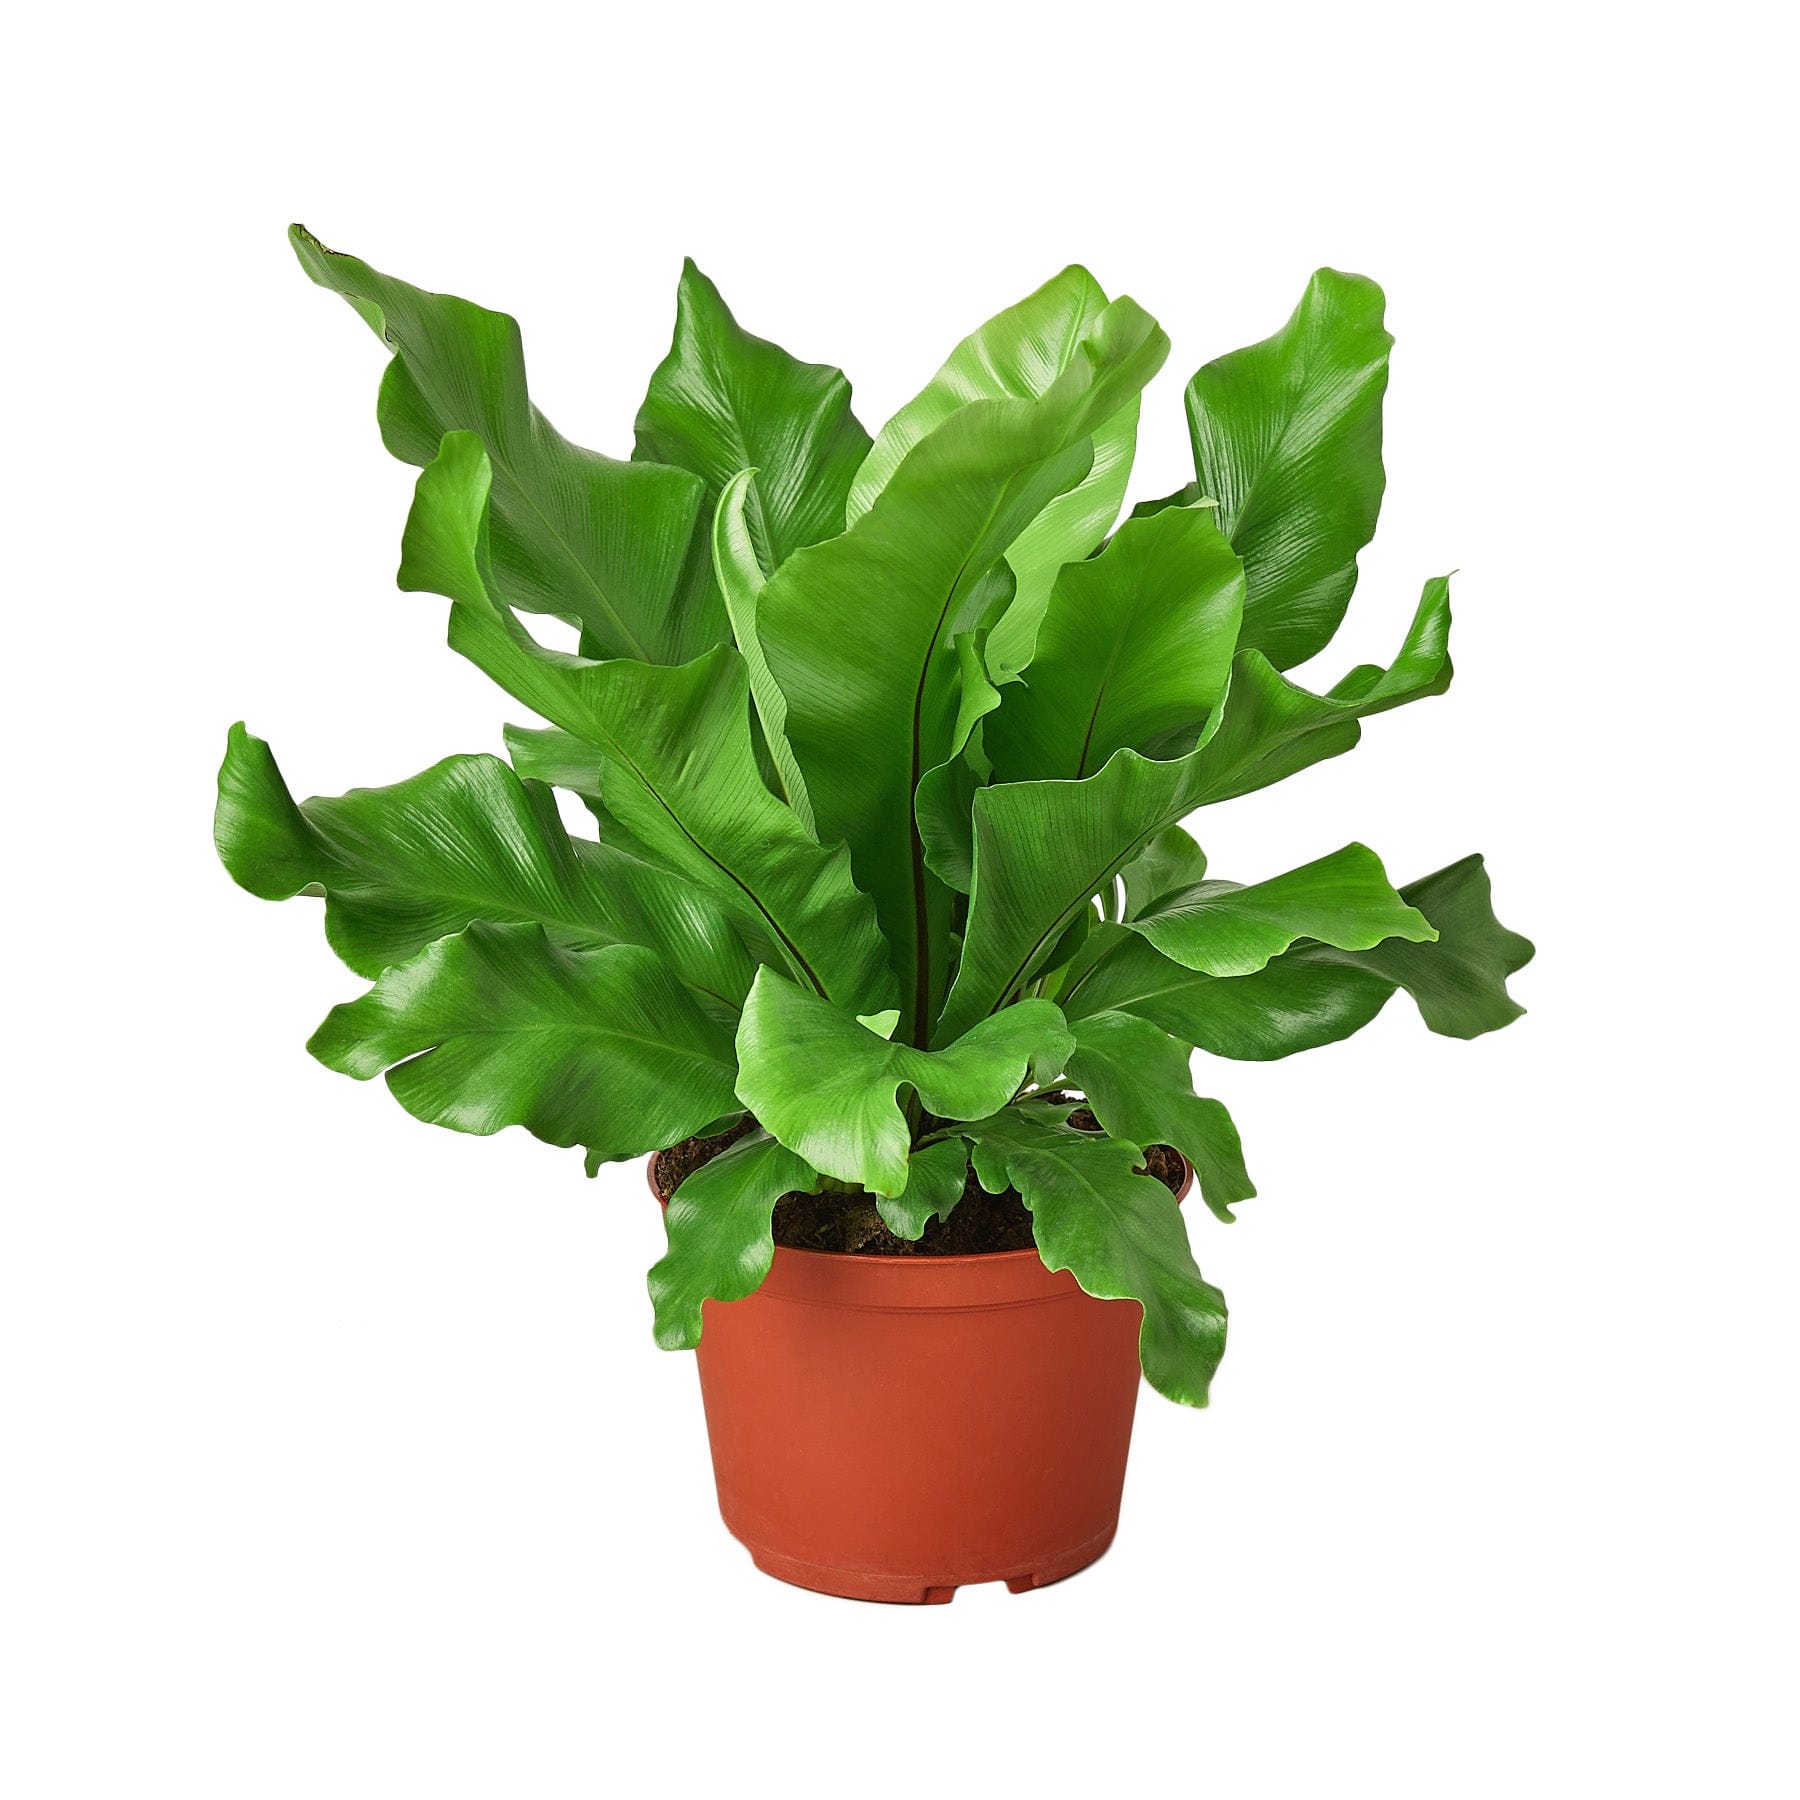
(913, 1590)
(894, 1428)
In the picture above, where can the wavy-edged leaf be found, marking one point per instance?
(1169, 861)
(718, 1225)
(1119, 1232)
(1270, 727)
(1458, 983)
(1042, 848)
(1140, 1087)
(937, 1173)
(1222, 928)
(723, 401)
(1188, 494)
(678, 766)
(1134, 652)
(561, 759)
(1300, 1001)
(1287, 440)
(498, 1026)
(402, 866)
(870, 710)
(828, 1087)
(589, 538)
(1315, 995)
(1017, 355)
(741, 574)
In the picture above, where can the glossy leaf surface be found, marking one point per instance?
(1018, 355)
(1287, 440)
(1222, 928)
(402, 866)
(943, 807)
(1313, 994)
(1270, 727)
(678, 766)
(723, 401)
(1299, 1001)
(718, 1225)
(872, 709)
(1119, 1232)
(1042, 848)
(1170, 860)
(741, 574)
(1139, 1086)
(1458, 983)
(1134, 652)
(589, 538)
(936, 1176)
(828, 1087)
(498, 1026)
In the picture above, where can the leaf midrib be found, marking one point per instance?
(501, 464)
(730, 875)
(481, 907)
(1065, 918)
(1297, 390)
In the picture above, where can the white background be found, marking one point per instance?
(338, 1460)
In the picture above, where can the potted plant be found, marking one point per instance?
(888, 935)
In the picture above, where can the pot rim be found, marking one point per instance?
(989, 1259)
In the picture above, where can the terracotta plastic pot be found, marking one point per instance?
(891, 1428)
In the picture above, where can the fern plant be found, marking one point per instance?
(888, 745)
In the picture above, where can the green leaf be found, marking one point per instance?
(1139, 1086)
(1313, 994)
(561, 759)
(588, 538)
(1043, 848)
(1287, 439)
(402, 866)
(741, 577)
(936, 1176)
(1120, 1233)
(1270, 728)
(942, 807)
(498, 1026)
(1459, 982)
(678, 766)
(1188, 494)
(1170, 860)
(723, 401)
(1222, 928)
(1019, 354)
(1298, 1002)
(828, 1087)
(872, 709)
(718, 1225)
(1068, 949)
(946, 821)
(1134, 652)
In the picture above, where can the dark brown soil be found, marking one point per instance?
(979, 1224)
(675, 1164)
